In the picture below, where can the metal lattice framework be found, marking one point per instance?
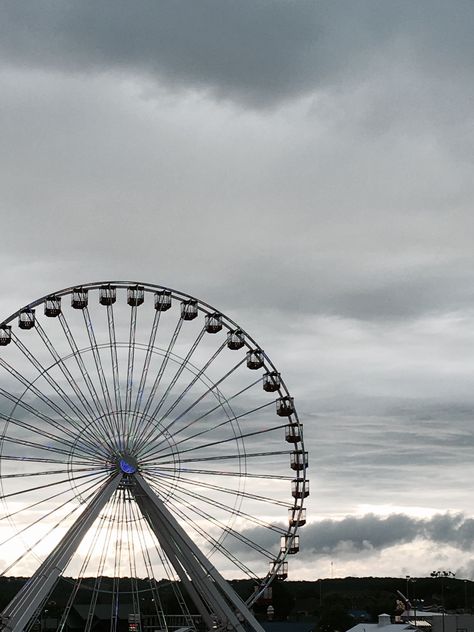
(144, 436)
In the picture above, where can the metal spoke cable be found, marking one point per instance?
(17, 457)
(38, 520)
(146, 363)
(231, 510)
(211, 410)
(100, 369)
(115, 369)
(44, 536)
(130, 364)
(102, 559)
(44, 433)
(226, 440)
(197, 377)
(48, 498)
(231, 456)
(38, 446)
(51, 484)
(132, 557)
(216, 543)
(138, 520)
(89, 411)
(85, 375)
(44, 473)
(240, 493)
(156, 454)
(81, 574)
(156, 382)
(178, 373)
(117, 565)
(214, 473)
(79, 421)
(36, 413)
(211, 389)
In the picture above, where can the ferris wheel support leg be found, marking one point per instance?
(223, 599)
(23, 606)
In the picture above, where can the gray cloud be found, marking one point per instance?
(370, 532)
(257, 52)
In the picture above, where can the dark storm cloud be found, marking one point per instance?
(257, 52)
(370, 532)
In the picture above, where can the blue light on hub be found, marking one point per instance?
(126, 467)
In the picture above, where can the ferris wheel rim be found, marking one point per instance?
(202, 306)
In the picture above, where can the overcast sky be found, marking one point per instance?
(306, 167)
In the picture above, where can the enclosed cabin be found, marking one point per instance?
(271, 381)
(135, 295)
(5, 335)
(79, 298)
(26, 319)
(290, 544)
(297, 516)
(281, 570)
(235, 339)
(107, 295)
(299, 460)
(285, 406)
(293, 433)
(162, 300)
(52, 306)
(255, 359)
(189, 309)
(213, 323)
(299, 488)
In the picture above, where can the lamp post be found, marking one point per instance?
(442, 576)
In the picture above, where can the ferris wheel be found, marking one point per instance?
(149, 452)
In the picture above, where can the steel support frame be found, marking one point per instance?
(26, 602)
(222, 601)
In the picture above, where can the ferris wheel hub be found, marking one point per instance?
(127, 464)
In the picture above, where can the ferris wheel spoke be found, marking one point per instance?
(156, 453)
(38, 487)
(241, 494)
(211, 444)
(115, 369)
(215, 543)
(195, 379)
(79, 486)
(89, 411)
(230, 457)
(39, 446)
(223, 528)
(43, 516)
(211, 389)
(161, 370)
(178, 373)
(211, 410)
(213, 473)
(86, 447)
(234, 493)
(146, 364)
(114, 424)
(43, 372)
(25, 426)
(32, 459)
(44, 473)
(53, 528)
(102, 418)
(130, 363)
